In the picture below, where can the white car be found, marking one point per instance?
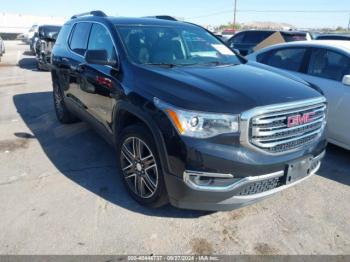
(325, 64)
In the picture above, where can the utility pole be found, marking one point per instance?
(234, 15)
(349, 23)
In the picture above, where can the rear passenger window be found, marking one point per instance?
(327, 64)
(79, 38)
(288, 59)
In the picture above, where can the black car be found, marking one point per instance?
(245, 41)
(333, 37)
(47, 35)
(191, 122)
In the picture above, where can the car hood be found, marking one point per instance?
(222, 89)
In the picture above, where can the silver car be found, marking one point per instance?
(325, 64)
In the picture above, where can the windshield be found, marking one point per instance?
(50, 29)
(174, 45)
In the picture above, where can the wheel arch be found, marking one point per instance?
(126, 114)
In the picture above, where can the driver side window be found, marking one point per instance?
(101, 40)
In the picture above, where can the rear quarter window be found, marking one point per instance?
(294, 37)
(253, 37)
(79, 37)
(63, 35)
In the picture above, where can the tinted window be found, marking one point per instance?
(290, 37)
(80, 37)
(46, 30)
(289, 58)
(100, 39)
(237, 38)
(63, 35)
(328, 64)
(333, 37)
(255, 37)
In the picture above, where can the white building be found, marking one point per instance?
(20, 23)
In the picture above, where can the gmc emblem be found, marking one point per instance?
(298, 120)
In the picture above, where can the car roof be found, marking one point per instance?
(338, 44)
(132, 21)
(43, 26)
(273, 31)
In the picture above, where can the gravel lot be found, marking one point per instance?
(60, 193)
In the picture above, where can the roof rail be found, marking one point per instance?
(93, 13)
(164, 17)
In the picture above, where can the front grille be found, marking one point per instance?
(260, 186)
(270, 131)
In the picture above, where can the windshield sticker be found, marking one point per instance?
(222, 49)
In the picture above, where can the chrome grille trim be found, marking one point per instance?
(265, 128)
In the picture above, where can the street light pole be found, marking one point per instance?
(234, 15)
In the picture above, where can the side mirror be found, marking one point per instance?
(346, 80)
(99, 57)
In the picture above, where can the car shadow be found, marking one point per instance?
(28, 63)
(336, 165)
(28, 53)
(81, 155)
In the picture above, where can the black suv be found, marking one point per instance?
(192, 123)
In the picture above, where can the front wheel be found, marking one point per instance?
(140, 167)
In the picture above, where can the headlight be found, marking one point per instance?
(199, 124)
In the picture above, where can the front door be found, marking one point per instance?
(99, 82)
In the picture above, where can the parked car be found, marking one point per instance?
(2, 48)
(325, 64)
(245, 41)
(33, 43)
(28, 37)
(191, 122)
(47, 35)
(333, 37)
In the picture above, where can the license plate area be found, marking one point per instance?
(298, 169)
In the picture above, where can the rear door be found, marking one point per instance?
(326, 69)
(99, 83)
(78, 41)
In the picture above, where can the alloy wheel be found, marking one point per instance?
(139, 167)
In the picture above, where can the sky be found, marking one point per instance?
(301, 13)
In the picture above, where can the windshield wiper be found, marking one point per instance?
(162, 64)
(217, 63)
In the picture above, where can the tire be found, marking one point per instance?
(62, 113)
(141, 169)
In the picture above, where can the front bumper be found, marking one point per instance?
(241, 192)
